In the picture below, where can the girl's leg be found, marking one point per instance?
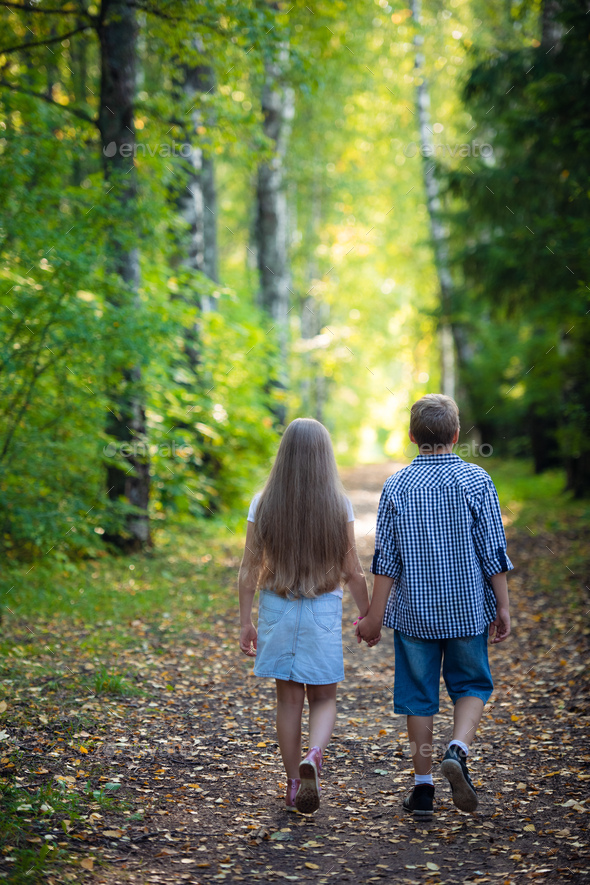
(322, 714)
(290, 698)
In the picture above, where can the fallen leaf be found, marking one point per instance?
(87, 863)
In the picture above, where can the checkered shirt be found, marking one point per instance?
(440, 536)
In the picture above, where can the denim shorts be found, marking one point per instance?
(300, 639)
(465, 669)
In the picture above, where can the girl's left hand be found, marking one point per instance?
(248, 640)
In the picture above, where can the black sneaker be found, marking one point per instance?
(455, 770)
(419, 802)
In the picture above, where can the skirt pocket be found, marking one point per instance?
(272, 608)
(327, 612)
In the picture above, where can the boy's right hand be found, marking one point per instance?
(500, 627)
(369, 630)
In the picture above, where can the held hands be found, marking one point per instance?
(248, 640)
(368, 630)
(500, 628)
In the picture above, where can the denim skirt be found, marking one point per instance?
(300, 639)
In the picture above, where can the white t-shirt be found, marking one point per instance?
(252, 518)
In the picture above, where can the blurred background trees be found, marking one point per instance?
(213, 219)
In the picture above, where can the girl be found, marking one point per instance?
(299, 549)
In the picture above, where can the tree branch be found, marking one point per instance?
(5, 51)
(77, 12)
(45, 98)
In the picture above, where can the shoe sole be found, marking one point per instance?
(418, 812)
(464, 797)
(307, 799)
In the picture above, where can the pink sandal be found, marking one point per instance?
(307, 799)
(292, 787)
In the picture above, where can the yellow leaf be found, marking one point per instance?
(83, 750)
(432, 866)
(530, 828)
(311, 866)
(261, 744)
(515, 718)
(87, 863)
(3, 706)
(382, 731)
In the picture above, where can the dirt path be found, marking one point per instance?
(200, 764)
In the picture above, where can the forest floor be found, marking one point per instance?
(174, 775)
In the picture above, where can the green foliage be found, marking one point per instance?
(524, 264)
(72, 331)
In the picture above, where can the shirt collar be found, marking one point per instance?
(437, 459)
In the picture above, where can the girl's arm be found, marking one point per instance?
(354, 575)
(369, 628)
(246, 591)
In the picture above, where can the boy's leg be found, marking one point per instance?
(466, 717)
(322, 714)
(290, 698)
(466, 672)
(420, 737)
(417, 674)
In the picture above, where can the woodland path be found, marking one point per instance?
(201, 764)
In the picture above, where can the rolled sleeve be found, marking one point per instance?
(387, 559)
(488, 535)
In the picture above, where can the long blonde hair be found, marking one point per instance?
(300, 531)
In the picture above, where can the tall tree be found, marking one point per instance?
(271, 226)
(126, 422)
(433, 203)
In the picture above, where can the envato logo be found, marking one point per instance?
(141, 450)
(471, 149)
(164, 149)
(464, 450)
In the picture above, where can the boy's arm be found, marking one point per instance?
(246, 591)
(369, 628)
(500, 627)
(354, 575)
(386, 564)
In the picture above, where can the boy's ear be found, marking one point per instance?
(456, 436)
(412, 438)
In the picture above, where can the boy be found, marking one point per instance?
(440, 547)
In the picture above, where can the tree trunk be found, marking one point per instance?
(433, 203)
(78, 55)
(126, 420)
(198, 201)
(271, 216)
(314, 315)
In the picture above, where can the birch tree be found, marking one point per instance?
(126, 421)
(271, 229)
(431, 188)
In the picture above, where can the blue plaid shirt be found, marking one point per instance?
(440, 537)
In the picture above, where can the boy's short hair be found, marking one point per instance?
(434, 420)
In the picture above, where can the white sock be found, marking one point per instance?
(423, 779)
(463, 746)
